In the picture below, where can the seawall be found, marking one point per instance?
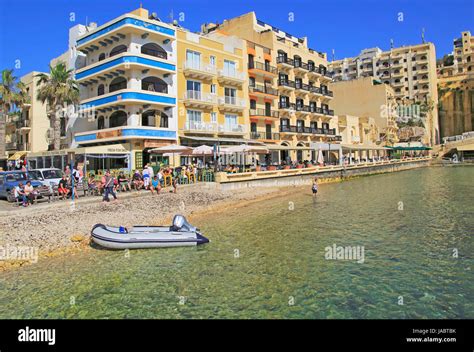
(299, 177)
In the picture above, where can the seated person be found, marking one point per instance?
(19, 194)
(155, 185)
(91, 184)
(123, 182)
(63, 187)
(137, 180)
(30, 193)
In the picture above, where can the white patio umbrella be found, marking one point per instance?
(245, 148)
(320, 157)
(202, 150)
(171, 149)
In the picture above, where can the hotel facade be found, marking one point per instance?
(288, 91)
(127, 72)
(409, 70)
(212, 88)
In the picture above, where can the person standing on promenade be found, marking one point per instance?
(146, 177)
(315, 186)
(108, 183)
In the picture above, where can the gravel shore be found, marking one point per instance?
(61, 227)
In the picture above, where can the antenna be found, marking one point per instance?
(391, 43)
(333, 54)
(171, 15)
(423, 35)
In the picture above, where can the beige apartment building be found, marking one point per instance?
(288, 90)
(212, 86)
(409, 70)
(28, 132)
(368, 98)
(456, 88)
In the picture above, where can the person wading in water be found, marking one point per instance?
(314, 188)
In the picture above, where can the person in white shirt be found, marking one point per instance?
(146, 177)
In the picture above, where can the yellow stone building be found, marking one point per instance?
(28, 132)
(212, 86)
(368, 98)
(288, 90)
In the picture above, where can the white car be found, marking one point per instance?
(48, 177)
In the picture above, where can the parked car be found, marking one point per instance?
(10, 179)
(48, 177)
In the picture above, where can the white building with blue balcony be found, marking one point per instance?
(128, 84)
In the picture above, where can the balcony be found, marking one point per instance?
(232, 129)
(110, 33)
(10, 146)
(307, 130)
(264, 113)
(300, 66)
(124, 133)
(302, 109)
(124, 97)
(199, 71)
(265, 136)
(200, 127)
(233, 104)
(288, 107)
(23, 124)
(265, 90)
(198, 99)
(302, 88)
(327, 112)
(355, 139)
(263, 69)
(285, 62)
(315, 91)
(230, 77)
(116, 65)
(286, 84)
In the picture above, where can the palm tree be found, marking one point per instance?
(12, 96)
(57, 88)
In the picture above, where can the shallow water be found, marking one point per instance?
(267, 260)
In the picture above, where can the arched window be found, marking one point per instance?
(100, 89)
(311, 65)
(148, 118)
(118, 50)
(118, 118)
(117, 84)
(100, 123)
(154, 84)
(155, 50)
(297, 60)
(282, 56)
(102, 57)
(322, 69)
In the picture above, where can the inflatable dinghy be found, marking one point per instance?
(180, 233)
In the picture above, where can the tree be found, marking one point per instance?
(56, 89)
(12, 97)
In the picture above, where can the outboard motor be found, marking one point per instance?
(181, 224)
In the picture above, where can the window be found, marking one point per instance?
(213, 117)
(229, 68)
(100, 89)
(253, 127)
(118, 50)
(230, 122)
(193, 59)
(100, 123)
(253, 104)
(154, 49)
(193, 89)
(230, 95)
(252, 81)
(117, 84)
(212, 60)
(213, 89)
(101, 57)
(194, 119)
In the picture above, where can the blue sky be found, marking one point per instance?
(34, 31)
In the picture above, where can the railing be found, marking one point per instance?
(200, 96)
(303, 86)
(199, 126)
(328, 112)
(261, 66)
(301, 64)
(316, 90)
(307, 130)
(23, 123)
(231, 74)
(264, 112)
(10, 146)
(285, 60)
(232, 101)
(236, 128)
(286, 83)
(284, 105)
(260, 88)
(304, 108)
(265, 135)
(200, 67)
(355, 139)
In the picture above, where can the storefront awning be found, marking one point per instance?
(99, 149)
(17, 156)
(361, 147)
(466, 148)
(408, 148)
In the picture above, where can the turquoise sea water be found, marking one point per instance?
(267, 260)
